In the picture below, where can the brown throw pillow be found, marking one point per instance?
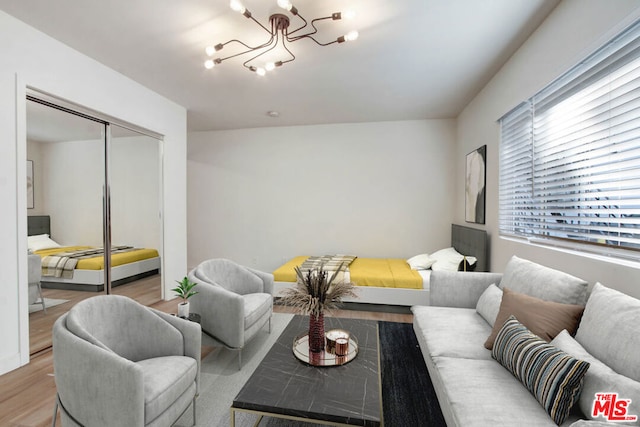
(544, 318)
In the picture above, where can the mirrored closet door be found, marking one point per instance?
(95, 215)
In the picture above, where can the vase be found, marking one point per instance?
(183, 309)
(316, 333)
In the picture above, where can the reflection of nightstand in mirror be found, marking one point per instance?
(34, 276)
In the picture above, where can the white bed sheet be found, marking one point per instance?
(426, 278)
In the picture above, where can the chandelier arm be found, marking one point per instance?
(258, 22)
(299, 28)
(315, 30)
(263, 52)
(250, 47)
(290, 53)
(321, 44)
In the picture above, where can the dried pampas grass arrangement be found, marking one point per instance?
(315, 292)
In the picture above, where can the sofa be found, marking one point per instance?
(530, 347)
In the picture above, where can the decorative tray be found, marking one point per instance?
(323, 358)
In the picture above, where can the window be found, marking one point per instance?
(570, 156)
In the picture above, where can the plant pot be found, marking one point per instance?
(183, 309)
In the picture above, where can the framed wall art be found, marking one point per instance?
(30, 193)
(474, 192)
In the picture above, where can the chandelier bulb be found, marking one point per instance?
(351, 36)
(269, 66)
(210, 50)
(237, 6)
(349, 14)
(258, 70)
(209, 64)
(285, 4)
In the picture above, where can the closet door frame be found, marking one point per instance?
(107, 121)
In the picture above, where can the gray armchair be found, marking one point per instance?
(234, 302)
(119, 363)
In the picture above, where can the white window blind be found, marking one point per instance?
(570, 155)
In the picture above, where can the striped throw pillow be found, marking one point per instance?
(551, 375)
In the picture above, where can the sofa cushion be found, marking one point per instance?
(544, 318)
(616, 316)
(489, 304)
(482, 393)
(551, 375)
(452, 332)
(256, 306)
(600, 379)
(165, 380)
(533, 279)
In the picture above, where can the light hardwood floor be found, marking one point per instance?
(27, 394)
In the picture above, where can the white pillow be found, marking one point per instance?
(40, 241)
(488, 305)
(420, 262)
(449, 259)
(37, 237)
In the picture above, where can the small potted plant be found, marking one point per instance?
(185, 291)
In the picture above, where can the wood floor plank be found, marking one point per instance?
(27, 394)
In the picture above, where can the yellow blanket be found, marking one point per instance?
(97, 263)
(378, 272)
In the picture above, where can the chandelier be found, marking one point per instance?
(279, 35)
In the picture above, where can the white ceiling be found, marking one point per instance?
(414, 59)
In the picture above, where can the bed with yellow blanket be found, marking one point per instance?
(82, 267)
(391, 281)
(377, 272)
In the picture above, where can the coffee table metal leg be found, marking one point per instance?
(233, 418)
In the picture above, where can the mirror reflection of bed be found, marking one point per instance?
(68, 156)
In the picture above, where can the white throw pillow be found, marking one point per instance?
(488, 305)
(420, 262)
(449, 259)
(41, 241)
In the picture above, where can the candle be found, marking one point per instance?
(342, 346)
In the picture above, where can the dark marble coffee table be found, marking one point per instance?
(284, 387)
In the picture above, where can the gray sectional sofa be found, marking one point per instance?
(474, 389)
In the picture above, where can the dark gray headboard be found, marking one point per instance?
(38, 224)
(472, 242)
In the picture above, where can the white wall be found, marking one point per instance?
(69, 178)
(30, 58)
(71, 190)
(261, 196)
(573, 30)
